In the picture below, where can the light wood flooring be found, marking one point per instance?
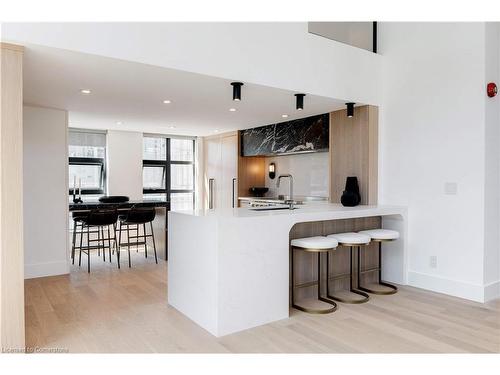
(126, 310)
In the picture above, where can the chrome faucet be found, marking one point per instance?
(289, 201)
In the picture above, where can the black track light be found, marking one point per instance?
(236, 90)
(299, 102)
(350, 109)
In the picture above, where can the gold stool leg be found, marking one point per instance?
(351, 289)
(308, 309)
(392, 288)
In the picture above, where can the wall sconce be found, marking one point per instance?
(272, 171)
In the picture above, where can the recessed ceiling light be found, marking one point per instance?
(232, 109)
(85, 91)
(171, 127)
(284, 116)
(216, 130)
(166, 101)
(118, 123)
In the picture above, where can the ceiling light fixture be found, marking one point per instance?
(171, 127)
(232, 109)
(118, 123)
(166, 101)
(299, 101)
(284, 116)
(236, 90)
(85, 91)
(350, 109)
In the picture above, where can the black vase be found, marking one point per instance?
(350, 196)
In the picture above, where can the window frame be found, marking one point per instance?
(155, 163)
(166, 164)
(85, 161)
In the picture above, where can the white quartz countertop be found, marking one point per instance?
(333, 211)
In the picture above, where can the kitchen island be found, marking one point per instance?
(229, 269)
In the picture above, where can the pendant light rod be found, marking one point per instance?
(299, 101)
(350, 109)
(236, 90)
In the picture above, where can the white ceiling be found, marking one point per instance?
(133, 93)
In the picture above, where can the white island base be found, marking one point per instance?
(228, 270)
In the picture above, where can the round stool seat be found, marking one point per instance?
(381, 234)
(351, 238)
(315, 243)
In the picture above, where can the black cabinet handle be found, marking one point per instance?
(234, 180)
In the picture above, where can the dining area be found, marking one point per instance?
(110, 225)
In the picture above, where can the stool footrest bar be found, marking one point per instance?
(318, 311)
(352, 301)
(392, 289)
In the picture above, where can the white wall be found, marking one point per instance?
(45, 192)
(280, 54)
(310, 174)
(492, 167)
(432, 131)
(124, 163)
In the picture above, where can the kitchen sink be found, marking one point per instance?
(271, 208)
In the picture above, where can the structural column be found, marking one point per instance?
(11, 210)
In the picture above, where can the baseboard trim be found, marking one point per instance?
(45, 269)
(454, 288)
(492, 291)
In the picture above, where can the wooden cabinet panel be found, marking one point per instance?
(11, 199)
(251, 171)
(354, 152)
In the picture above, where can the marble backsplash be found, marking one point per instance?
(310, 134)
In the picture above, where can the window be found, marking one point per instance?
(168, 170)
(87, 155)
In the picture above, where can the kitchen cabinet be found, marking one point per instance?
(221, 171)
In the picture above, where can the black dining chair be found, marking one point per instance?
(132, 221)
(98, 221)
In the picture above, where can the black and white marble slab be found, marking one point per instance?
(309, 134)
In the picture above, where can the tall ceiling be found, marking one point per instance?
(129, 96)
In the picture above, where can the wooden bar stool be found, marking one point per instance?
(378, 235)
(317, 245)
(351, 240)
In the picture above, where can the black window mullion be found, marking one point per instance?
(194, 174)
(169, 172)
(153, 163)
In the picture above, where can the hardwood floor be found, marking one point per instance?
(126, 310)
